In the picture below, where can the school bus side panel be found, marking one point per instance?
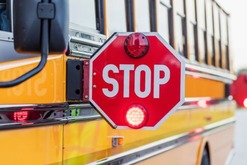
(185, 154)
(221, 143)
(46, 87)
(90, 141)
(39, 145)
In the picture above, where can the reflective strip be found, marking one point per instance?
(155, 148)
(46, 107)
(81, 112)
(206, 70)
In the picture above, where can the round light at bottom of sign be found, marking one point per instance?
(245, 102)
(136, 116)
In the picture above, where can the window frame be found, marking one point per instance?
(217, 42)
(210, 32)
(135, 17)
(182, 15)
(106, 23)
(202, 58)
(169, 18)
(191, 23)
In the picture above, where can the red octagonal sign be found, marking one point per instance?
(136, 80)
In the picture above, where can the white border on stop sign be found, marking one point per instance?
(182, 73)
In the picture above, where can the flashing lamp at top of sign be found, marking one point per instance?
(136, 45)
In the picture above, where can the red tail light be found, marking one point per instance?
(136, 116)
(27, 115)
(202, 103)
(21, 116)
(136, 45)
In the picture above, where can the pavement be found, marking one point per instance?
(240, 140)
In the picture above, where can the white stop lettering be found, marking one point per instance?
(127, 68)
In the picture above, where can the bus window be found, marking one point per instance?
(179, 6)
(210, 50)
(4, 21)
(180, 27)
(191, 16)
(142, 16)
(201, 13)
(227, 58)
(191, 10)
(227, 46)
(224, 38)
(210, 33)
(209, 16)
(179, 35)
(83, 13)
(201, 45)
(223, 26)
(201, 31)
(191, 42)
(216, 34)
(216, 22)
(115, 16)
(164, 9)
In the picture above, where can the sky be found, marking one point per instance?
(238, 31)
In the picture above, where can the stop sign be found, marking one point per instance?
(136, 80)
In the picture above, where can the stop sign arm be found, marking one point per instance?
(85, 87)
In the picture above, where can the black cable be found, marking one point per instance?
(42, 63)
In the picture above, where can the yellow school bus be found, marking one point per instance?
(45, 119)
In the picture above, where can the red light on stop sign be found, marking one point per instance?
(136, 45)
(136, 116)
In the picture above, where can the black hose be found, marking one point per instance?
(42, 63)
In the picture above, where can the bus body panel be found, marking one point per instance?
(185, 154)
(72, 132)
(94, 141)
(47, 87)
(196, 86)
(42, 145)
(221, 144)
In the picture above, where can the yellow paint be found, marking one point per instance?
(201, 87)
(90, 141)
(85, 142)
(48, 86)
(204, 116)
(39, 146)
